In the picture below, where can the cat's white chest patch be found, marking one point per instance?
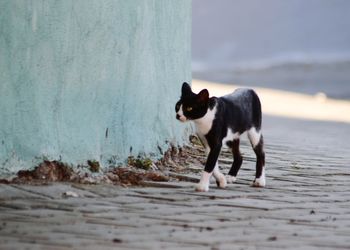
(230, 136)
(204, 124)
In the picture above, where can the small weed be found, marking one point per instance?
(94, 166)
(143, 163)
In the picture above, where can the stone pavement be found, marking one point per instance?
(306, 204)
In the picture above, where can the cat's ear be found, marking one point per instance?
(203, 96)
(186, 88)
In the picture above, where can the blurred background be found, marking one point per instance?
(298, 46)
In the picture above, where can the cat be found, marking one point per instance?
(219, 121)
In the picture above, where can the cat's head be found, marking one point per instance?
(191, 106)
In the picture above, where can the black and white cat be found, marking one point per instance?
(220, 122)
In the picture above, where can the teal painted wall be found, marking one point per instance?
(84, 80)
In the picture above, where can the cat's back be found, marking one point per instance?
(245, 100)
(243, 105)
(240, 97)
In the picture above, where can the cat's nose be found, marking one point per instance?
(177, 117)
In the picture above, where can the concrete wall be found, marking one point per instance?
(90, 79)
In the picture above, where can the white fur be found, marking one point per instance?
(219, 177)
(254, 136)
(260, 182)
(204, 124)
(230, 179)
(181, 114)
(230, 137)
(203, 185)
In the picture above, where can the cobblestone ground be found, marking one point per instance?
(306, 204)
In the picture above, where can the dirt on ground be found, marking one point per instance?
(135, 172)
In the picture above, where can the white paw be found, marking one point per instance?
(221, 181)
(220, 178)
(202, 187)
(230, 179)
(259, 182)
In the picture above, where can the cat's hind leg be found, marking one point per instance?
(257, 141)
(237, 162)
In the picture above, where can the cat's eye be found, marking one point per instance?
(189, 109)
(177, 107)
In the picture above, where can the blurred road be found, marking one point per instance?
(331, 80)
(299, 46)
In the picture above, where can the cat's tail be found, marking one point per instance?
(256, 106)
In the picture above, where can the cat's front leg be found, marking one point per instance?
(203, 185)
